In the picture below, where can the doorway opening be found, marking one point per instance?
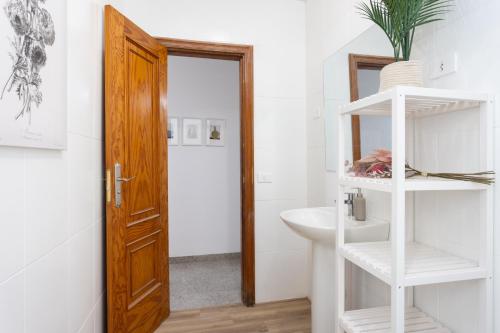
(204, 187)
(211, 195)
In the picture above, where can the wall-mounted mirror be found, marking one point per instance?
(350, 74)
(367, 132)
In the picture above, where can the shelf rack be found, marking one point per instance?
(424, 264)
(399, 263)
(414, 184)
(379, 320)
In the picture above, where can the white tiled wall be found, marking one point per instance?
(276, 29)
(469, 31)
(51, 244)
(329, 25)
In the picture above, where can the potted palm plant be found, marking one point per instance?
(399, 19)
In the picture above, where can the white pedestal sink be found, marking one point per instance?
(319, 225)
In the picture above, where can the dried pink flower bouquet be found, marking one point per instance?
(376, 165)
(379, 165)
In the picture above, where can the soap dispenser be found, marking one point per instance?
(359, 206)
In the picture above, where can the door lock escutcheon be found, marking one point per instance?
(119, 180)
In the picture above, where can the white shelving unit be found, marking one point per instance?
(405, 263)
(379, 320)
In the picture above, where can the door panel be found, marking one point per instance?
(136, 233)
(143, 272)
(142, 138)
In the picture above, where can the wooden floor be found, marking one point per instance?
(282, 317)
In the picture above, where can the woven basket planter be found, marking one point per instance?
(402, 73)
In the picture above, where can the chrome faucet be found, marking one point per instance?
(350, 204)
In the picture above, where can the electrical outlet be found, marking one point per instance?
(445, 65)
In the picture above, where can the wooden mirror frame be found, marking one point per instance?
(356, 62)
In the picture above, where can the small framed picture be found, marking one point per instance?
(216, 132)
(191, 132)
(173, 131)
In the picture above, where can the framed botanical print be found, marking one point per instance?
(192, 132)
(173, 131)
(33, 73)
(216, 132)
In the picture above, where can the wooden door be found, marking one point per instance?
(136, 147)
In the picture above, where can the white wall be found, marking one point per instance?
(51, 244)
(276, 29)
(469, 30)
(330, 25)
(204, 182)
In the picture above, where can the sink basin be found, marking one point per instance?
(319, 224)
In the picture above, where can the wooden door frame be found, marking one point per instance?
(244, 55)
(356, 62)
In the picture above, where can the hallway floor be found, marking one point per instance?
(205, 281)
(278, 317)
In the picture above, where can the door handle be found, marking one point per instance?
(125, 180)
(118, 184)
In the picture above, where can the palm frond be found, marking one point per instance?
(379, 12)
(399, 19)
(432, 11)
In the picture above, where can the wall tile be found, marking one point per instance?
(81, 188)
(316, 177)
(255, 22)
(99, 316)
(276, 70)
(12, 211)
(81, 88)
(331, 188)
(427, 297)
(34, 195)
(81, 277)
(99, 268)
(465, 30)
(368, 291)
(280, 149)
(279, 122)
(12, 304)
(274, 235)
(287, 169)
(315, 122)
(281, 275)
(46, 201)
(460, 316)
(47, 293)
(97, 181)
(88, 326)
(98, 86)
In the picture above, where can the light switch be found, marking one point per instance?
(317, 113)
(264, 177)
